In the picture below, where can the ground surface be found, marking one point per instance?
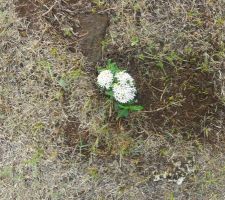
(59, 137)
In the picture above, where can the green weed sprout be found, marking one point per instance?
(119, 86)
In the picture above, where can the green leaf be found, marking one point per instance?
(123, 106)
(130, 107)
(136, 108)
(123, 113)
(112, 67)
(109, 93)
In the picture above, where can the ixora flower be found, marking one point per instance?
(105, 79)
(124, 93)
(120, 87)
(124, 78)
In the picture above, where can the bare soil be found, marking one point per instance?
(182, 99)
(73, 135)
(93, 27)
(79, 27)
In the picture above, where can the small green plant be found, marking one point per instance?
(134, 41)
(36, 158)
(119, 86)
(124, 109)
(68, 32)
(93, 172)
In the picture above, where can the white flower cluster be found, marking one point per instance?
(122, 85)
(105, 79)
(124, 78)
(124, 93)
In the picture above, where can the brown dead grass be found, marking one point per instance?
(58, 137)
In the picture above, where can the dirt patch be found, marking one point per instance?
(177, 99)
(83, 31)
(73, 135)
(93, 27)
(79, 28)
(26, 8)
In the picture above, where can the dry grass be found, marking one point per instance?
(58, 137)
